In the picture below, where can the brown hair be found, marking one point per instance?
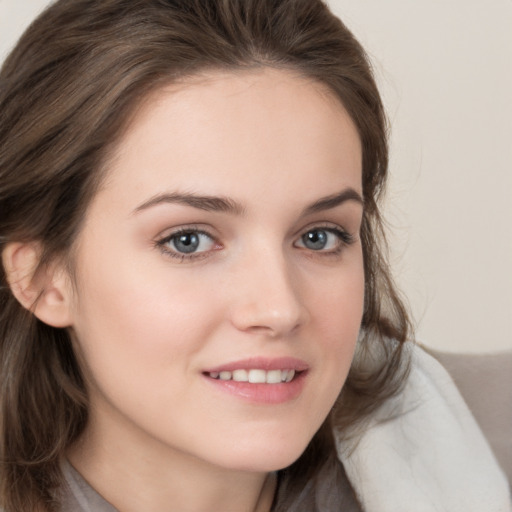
(66, 92)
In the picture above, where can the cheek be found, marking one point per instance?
(345, 313)
(139, 338)
(337, 311)
(338, 304)
(130, 317)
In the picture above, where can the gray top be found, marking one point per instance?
(79, 496)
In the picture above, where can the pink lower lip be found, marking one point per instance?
(262, 393)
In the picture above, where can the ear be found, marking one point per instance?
(46, 292)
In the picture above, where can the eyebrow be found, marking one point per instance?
(207, 203)
(227, 205)
(329, 202)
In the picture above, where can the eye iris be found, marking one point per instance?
(315, 240)
(186, 242)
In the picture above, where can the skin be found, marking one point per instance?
(147, 322)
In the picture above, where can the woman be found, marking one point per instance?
(196, 310)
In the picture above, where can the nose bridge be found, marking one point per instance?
(268, 297)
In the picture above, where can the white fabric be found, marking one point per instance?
(423, 452)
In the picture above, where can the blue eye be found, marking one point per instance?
(315, 240)
(188, 242)
(323, 239)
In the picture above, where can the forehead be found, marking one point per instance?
(231, 132)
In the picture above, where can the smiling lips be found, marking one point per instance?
(261, 380)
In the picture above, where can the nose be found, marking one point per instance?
(267, 298)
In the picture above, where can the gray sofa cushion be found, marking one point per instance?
(485, 382)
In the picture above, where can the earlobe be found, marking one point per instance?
(46, 292)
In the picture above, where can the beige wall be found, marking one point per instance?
(445, 70)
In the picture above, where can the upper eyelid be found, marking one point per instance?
(327, 225)
(168, 233)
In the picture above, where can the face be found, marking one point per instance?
(219, 273)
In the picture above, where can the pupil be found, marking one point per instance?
(187, 242)
(315, 239)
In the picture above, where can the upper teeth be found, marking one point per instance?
(255, 376)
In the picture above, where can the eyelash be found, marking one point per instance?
(345, 239)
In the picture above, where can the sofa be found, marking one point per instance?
(485, 382)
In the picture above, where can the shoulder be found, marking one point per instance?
(423, 450)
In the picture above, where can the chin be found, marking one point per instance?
(268, 458)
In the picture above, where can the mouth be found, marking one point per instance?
(260, 380)
(255, 375)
